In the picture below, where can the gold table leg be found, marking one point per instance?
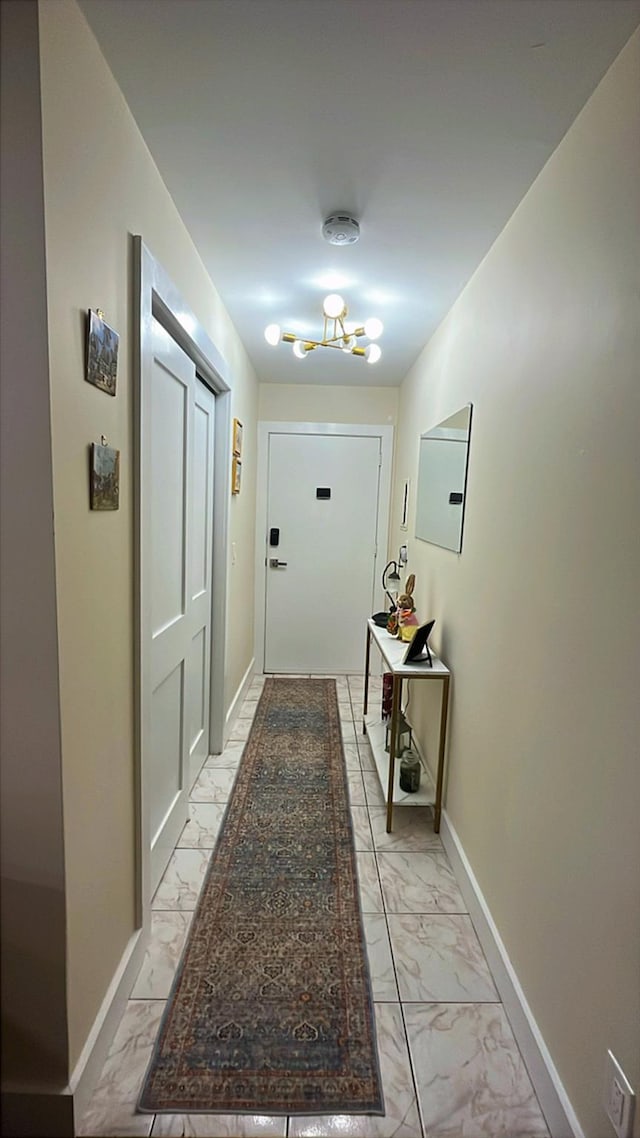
(367, 655)
(395, 706)
(444, 708)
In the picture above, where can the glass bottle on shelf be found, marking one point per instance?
(404, 737)
(409, 771)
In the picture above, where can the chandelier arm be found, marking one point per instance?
(335, 342)
(335, 335)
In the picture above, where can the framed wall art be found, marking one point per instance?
(236, 475)
(237, 438)
(104, 481)
(102, 353)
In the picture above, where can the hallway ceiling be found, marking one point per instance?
(427, 120)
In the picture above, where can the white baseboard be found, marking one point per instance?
(238, 699)
(554, 1101)
(94, 1053)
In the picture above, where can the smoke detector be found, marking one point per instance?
(341, 229)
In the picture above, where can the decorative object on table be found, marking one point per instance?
(236, 475)
(102, 352)
(271, 1009)
(237, 438)
(104, 476)
(407, 618)
(410, 769)
(404, 737)
(380, 618)
(390, 576)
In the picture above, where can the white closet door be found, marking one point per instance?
(179, 442)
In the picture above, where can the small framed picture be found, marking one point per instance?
(102, 354)
(236, 475)
(104, 484)
(237, 438)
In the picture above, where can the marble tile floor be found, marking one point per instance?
(449, 1062)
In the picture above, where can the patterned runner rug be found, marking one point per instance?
(271, 1011)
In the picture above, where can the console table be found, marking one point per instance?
(374, 726)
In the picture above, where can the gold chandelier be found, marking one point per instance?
(338, 332)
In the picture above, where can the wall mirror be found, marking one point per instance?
(442, 480)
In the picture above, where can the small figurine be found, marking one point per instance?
(406, 613)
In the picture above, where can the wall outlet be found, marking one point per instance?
(619, 1099)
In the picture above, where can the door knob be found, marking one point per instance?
(275, 564)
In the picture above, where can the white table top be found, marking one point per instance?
(393, 651)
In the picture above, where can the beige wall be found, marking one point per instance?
(34, 1034)
(538, 618)
(101, 186)
(310, 403)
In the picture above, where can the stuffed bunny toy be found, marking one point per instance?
(407, 618)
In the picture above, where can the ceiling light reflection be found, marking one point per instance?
(331, 279)
(380, 298)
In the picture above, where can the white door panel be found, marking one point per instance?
(169, 434)
(166, 739)
(202, 430)
(201, 549)
(317, 604)
(180, 443)
(196, 675)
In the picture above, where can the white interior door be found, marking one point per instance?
(179, 437)
(322, 498)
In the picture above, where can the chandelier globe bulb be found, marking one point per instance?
(272, 334)
(299, 350)
(333, 305)
(372, 353)
(373, 327)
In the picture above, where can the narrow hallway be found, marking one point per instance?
(449, 1062)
